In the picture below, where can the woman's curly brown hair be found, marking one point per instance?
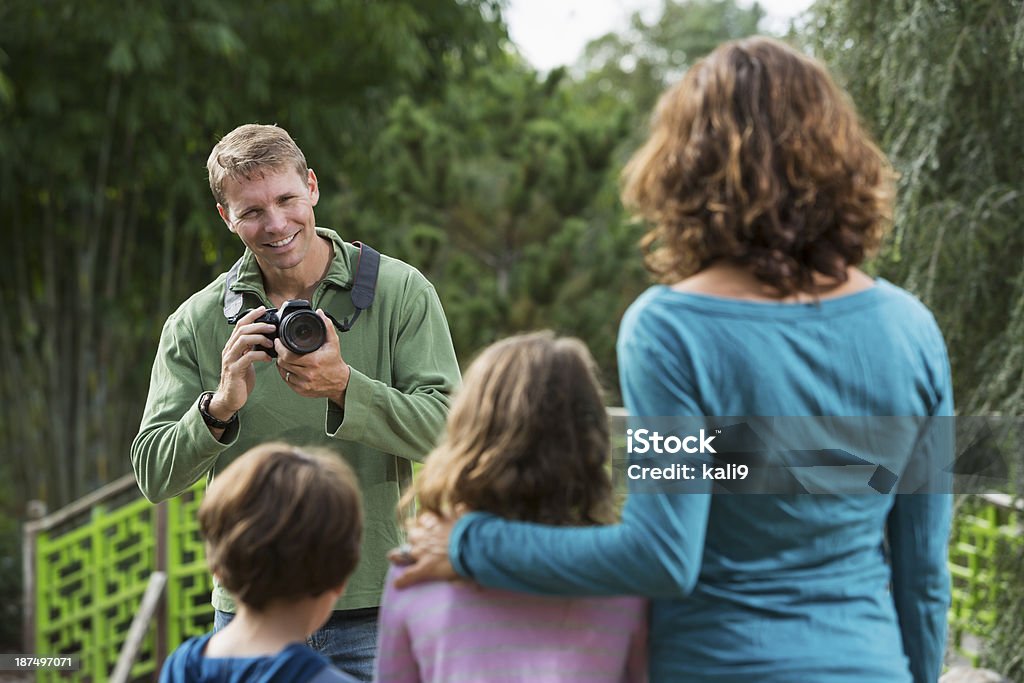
(526, 438)
(756, 157)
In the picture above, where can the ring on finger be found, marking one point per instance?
(404, 554)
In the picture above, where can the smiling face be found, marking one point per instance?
(273, 215)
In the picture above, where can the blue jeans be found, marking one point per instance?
(348, 639)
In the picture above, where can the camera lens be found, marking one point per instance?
(303, 332)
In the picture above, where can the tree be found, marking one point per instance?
(108, 114)
(634, 66)
(939, 82)
(496, 191)
(506, 189)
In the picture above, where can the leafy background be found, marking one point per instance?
(437, 143)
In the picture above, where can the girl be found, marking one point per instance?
(526, 439)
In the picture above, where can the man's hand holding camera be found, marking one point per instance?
(308, 357)
(320, 374)
(247, 344)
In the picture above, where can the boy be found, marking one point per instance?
(282, 527)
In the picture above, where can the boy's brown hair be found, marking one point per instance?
(282, 523)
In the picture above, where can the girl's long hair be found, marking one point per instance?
(526, 438)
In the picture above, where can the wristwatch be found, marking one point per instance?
(210, 420)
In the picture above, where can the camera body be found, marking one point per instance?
(297, 325)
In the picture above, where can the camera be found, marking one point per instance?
(301, 330)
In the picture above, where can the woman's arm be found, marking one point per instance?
(918, 533)
(918, 529)
(655, 551)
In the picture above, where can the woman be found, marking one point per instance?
(765, 194)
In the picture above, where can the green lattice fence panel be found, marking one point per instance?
(90, 580)
(980, 528)
(188, 582)
(92, 571)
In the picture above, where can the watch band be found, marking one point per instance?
(210, 420)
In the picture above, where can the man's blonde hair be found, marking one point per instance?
(252, 150)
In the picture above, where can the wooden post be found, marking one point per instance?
(34, 511)
(28, 568)
(140, 624)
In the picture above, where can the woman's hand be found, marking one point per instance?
(426, 555)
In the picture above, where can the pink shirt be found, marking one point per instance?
(447, 632)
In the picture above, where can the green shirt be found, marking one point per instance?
(403, 373)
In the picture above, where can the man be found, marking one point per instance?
(378, 395)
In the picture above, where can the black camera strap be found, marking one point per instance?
(363, 288)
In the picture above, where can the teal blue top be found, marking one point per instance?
(762, 587)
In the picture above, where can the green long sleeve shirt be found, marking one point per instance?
(403, 372)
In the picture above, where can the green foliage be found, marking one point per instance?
(939, 81)
(505, 191)
(108, 115)
(430, 140)
(1003, 651)
(10, 570)
(10, 585)
(436, 145)
(635, 65)
(496, 191)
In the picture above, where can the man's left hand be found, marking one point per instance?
(321, 374)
